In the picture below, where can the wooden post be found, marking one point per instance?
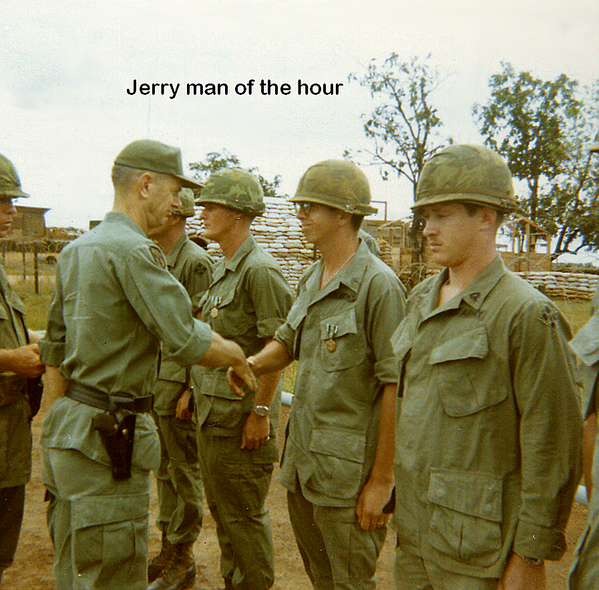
(36, 269)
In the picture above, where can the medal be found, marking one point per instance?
(332, 330)
(214, 312)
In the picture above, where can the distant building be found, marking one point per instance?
(28, 222)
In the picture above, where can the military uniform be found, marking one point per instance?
(15, 429)
(246, 302)
(179, 482)
(114, 304)
(340, 333)
(488, 436)
(585, 568)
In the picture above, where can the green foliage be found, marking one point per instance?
(216, 160)
(541, 127)
(404, 125)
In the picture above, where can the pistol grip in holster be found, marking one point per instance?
(117, 431)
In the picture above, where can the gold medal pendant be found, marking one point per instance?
(331, 346)
(214, 312)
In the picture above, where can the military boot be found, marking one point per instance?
(180, 571)
(159, 561)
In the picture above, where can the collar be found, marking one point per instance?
(119, 217)
(171, 259)
(246, 247)
(474, 294)
(350, 276)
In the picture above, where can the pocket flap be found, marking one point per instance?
(339, 325)
(471, 344)
(100, 510)
(475, 494)
(336, 442)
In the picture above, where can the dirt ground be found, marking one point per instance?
(32, 569)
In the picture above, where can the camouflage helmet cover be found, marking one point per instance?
(10, 185)
(234, 188)
(466, 173)
(187, 201)
(336, 183)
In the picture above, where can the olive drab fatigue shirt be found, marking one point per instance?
(341, 336)
(114, 303)
(191, 265)
(489, 433)
(585, 571)
(247, 301)
(15, 416)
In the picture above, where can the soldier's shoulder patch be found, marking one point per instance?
(158, 256)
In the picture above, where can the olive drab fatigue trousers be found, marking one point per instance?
(98, 526)
(337, 553)
(178, 479)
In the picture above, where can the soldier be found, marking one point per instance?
(337, 463)
(179, 482)
(488, 435)
(114, 303)
(19, 361)
(247, 301)
(585, 569)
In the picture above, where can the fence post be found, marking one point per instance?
(36, 269)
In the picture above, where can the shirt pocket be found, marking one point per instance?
(341, 345)
(337, 456)
(226, 315)
(466, 381)
(466, 515)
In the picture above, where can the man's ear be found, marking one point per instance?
(143, 184)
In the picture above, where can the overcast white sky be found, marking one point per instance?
(65, 66)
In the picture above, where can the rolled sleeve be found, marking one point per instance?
(196, 346)
(286, 336)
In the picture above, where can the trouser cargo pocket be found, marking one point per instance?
(466, 515)
(110, 540)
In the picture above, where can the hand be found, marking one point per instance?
(237, 382)
(182, 412)
(519, 575)
(255, 432)
(24, 361)
(372, 499)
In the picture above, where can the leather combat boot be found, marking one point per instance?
(158, 563)
(180, 571)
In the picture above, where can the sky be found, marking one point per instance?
(66, 67)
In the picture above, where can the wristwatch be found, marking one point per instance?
(532, 561)
(262, 411)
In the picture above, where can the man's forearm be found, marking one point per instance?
(272, 358)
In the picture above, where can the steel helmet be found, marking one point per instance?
(466, 173)
(234, 188)
(336, 183)
(10, 185)
(186, 209)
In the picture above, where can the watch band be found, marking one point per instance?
(262, 411)
(532, 561)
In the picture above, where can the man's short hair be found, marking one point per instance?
(124, 176)
(472, 208)
(356, 221)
